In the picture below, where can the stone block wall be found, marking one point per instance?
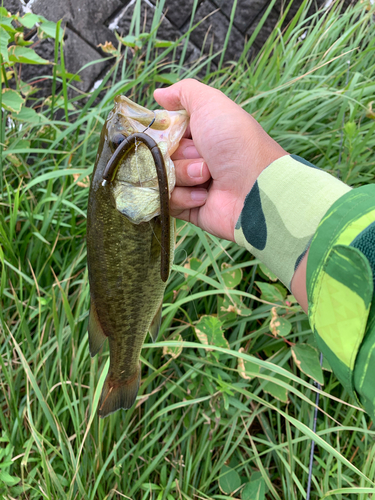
(89, 23)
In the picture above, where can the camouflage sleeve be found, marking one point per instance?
(340, 283)
(294, 206)
(282, 211)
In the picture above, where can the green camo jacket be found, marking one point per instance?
(340, 286)
(294, 206)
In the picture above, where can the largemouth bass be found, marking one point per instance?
(130, 239)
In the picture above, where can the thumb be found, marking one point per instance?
(188, 94)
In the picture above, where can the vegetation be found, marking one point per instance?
(223, 410)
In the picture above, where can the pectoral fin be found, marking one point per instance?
(96, 334)
(155, 324)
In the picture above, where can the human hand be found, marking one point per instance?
(224, 151)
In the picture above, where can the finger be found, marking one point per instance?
(182, 214)
(187, 94)
(191, 173)
(186, 149)
(187, 132)
(186, 198)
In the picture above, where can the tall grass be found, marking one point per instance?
(195, 414)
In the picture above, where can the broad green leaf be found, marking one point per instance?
(273, 387)
(26, 88)
(229, 480)
(174, 352)
(255, 490)
(12, 101)
(29, 20)
(47, 29)
(29, 115)
(131, 41)
(4, 38)
(232, 278)
(7, 479)
(270, 293)
(6, 22)
(270, 275)
(25, 55)
(226, 309)
(9, 75)
(258, 475)
(229, 307)
(279, 326)
(350, 129)
(307, 360)
(209, 332)
(276, 391)
(193, 263)
(20, 40)
(245, 367)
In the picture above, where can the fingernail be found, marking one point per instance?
(199, 195)
(195, 169)
(191, 152)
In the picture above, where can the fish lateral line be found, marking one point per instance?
(109, 175)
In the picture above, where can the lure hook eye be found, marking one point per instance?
(116, 140)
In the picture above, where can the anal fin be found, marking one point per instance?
(119, 394)
(155, 324)
(96, 334)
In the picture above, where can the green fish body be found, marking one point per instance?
(124, 234)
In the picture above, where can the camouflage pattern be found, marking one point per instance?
(294, 205)
(282, 212)
(340, 285)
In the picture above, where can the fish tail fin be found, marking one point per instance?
(118, 394)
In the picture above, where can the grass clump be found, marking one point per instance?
(223, 410)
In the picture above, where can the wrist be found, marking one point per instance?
(260, 158)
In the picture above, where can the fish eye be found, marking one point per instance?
(116, 140)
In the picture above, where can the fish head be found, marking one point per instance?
(134, 190)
